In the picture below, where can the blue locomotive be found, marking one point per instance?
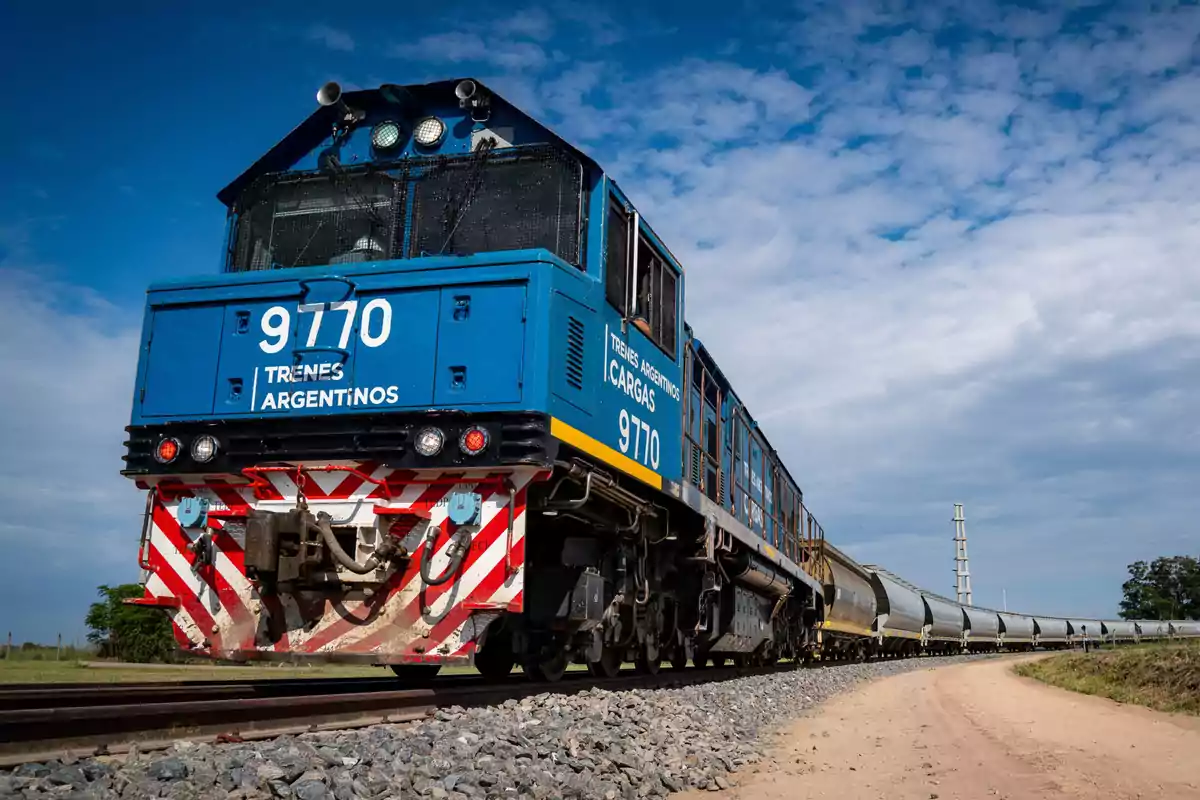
(441, 406)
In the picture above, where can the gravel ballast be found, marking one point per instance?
(594, 744)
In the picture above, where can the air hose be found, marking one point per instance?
(457, 551)
(341, 556)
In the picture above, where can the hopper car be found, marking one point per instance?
(1120, 631)
(1017, 632)
(441, 404)
(1052, 633)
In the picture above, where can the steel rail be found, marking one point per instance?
(58, 695)
(110, 722)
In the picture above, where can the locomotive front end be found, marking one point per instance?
(338, 434)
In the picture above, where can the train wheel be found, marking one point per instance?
(416, 673)
(649, 661)
(495, 660)
(609, 664)
(549, 669)
(719, 661)
(700, 661)
(679, 658)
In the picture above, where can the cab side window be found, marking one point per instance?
(616, 280)
(645, 292)
(654, 302)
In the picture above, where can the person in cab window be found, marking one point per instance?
(641, 311)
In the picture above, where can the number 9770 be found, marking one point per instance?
(638, 435)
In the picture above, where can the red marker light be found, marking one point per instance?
(167, 450)
(473, 441)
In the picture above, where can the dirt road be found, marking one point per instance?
(977, 731)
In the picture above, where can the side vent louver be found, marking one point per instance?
(575, 352)
(696, 465)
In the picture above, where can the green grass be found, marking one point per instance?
(32, 651)
(1165, 676)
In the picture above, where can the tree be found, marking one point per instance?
(1167, 588)
(131, 633)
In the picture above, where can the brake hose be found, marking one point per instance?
(341, 556)
(457, 552)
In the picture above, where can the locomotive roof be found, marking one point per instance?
(406, 99)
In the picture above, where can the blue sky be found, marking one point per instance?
(944, 250)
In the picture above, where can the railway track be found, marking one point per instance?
(53, 721)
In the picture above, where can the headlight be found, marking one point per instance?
(473, 441)
(429, 442)
(385, 135)
(204, 449)
(167, 450)
(429, 131)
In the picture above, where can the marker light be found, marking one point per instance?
(473, 441)
(429, 442)
(429, 131)
(385, 135)
(204, 449)
(167, 450)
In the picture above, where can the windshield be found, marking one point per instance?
(457, 205)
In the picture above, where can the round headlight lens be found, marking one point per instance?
(429, 441)
(473, 441)
(167, 450)
(385, 135)
(429, 131)
(204, 449)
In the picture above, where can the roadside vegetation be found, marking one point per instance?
(1162, 676)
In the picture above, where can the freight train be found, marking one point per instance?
(441, 406)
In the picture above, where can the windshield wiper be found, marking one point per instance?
(457, 212)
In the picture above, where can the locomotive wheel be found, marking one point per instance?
(647, 665)
(679, 658)
(495, 660)
(609, 664)
(545, 669)
(416, 673)
(700, 661)
(719, 661)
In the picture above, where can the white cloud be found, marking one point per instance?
(333, 38)
(452, 46)
(457, 47)
(533, 23)
(598, 26)
(1045, 247)
(69, 359)
(909, 49)
(515, 55)
(71, 521)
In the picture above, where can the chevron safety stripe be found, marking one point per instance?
(390, 616)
